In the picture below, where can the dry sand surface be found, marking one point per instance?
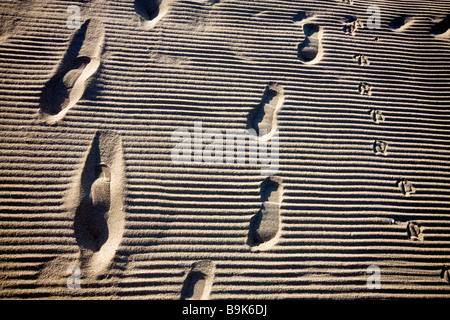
(351, 99)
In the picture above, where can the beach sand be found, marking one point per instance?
(351, 98)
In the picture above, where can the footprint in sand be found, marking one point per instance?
(362, 60)
(304, 17)
(99, 219)
(80, 63)
(441, 28)
(414, 231)
(264, 118)
(151, 11)
(401, 23)
(406, 187)
(365, 89)
(380, 147)
(265, 225)
(377, 116)
(310, 51)
(198, 283)
(351, 25)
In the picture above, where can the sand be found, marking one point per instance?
(355, 94)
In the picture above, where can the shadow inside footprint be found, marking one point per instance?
(400, 23)
(57, 90)
(60, 98)
(264, 118)
(265, 225)
(310, 50)
(442, 28)
(197, 284)
(303, 17)
(91, 228)
(69, 82)
(151, 11)
(300, 16)
(193, 286)
(147, 9)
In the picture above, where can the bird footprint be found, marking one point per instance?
(351, 25)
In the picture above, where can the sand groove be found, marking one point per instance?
(311, 50)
